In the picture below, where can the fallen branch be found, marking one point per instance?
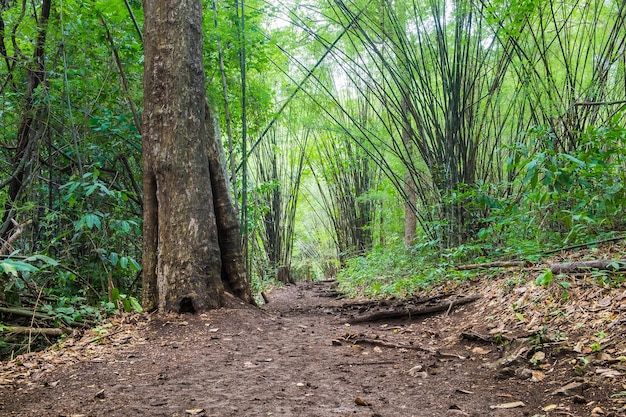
(414, 311)
(52, 331)
(586, 266)
(363, 306)
(23, 312)
(497, 264)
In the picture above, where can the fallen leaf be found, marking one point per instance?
(480, 351)
(515, 404)
(195, 411)
(608, 372)
(361, 402)
(549, 407)
(597, 412)
(539, 356)
(603, 357)
(572, 388)
(538, 376)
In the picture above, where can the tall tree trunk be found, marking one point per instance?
(182, 258)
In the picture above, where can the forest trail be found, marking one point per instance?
(300, 356)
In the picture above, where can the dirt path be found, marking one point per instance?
(299, 358)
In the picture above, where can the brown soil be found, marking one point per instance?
(299, 357)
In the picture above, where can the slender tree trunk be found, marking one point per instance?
(227, 117)
(410, 216)
(29, 131)
(188, 256)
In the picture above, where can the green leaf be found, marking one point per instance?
(135, 304)
(12, 267)
(90, 220)
(91, 189)
(114, 258)
(134, 264)
(46, 259)
(545, 278)
(574, 160)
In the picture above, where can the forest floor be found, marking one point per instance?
(519, 350)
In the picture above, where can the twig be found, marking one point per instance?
(599, 103)
(368, 363)
(361, 340)
(496, 264)
(32, 319)
(584, 245)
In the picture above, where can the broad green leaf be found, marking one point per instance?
(46, 259)
(135, 304)
(114, 258)
(12, 267)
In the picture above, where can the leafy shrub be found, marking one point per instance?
(558, 197)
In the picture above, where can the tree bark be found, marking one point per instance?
(188, 253)
(228, 227)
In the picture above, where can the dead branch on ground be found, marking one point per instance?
(586, 266)
(415, 310)
(51, 331)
